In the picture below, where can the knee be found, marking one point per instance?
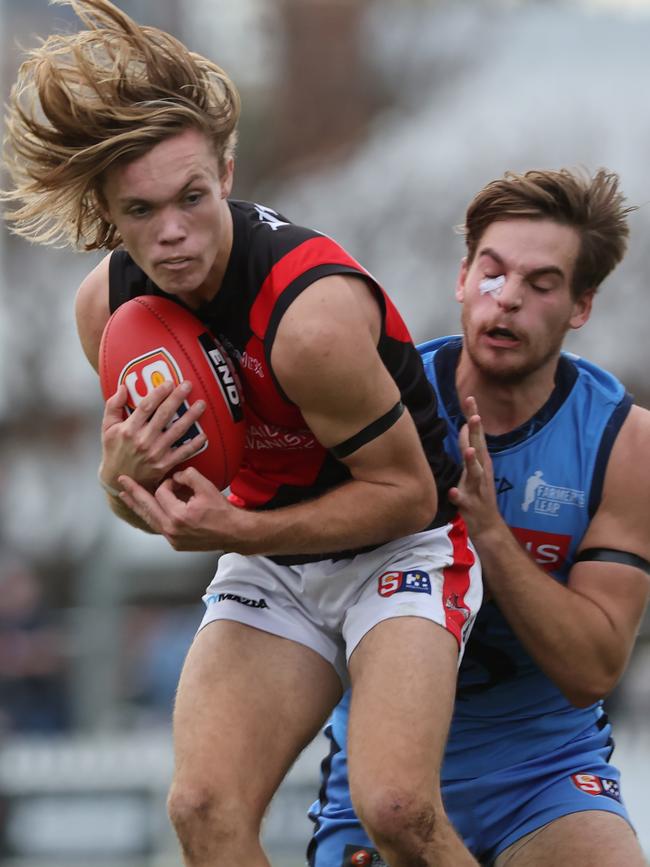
(398, 818)
(190, 807)
(196, 811)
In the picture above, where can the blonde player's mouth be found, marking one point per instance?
(175, 264)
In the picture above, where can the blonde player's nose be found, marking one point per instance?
(171, 226)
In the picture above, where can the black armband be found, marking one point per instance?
(611, 555)
(370, 432)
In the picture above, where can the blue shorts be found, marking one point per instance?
(490, 812)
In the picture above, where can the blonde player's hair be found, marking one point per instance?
(85, 101)
(594, 206)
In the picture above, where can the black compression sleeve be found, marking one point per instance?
(370, 432)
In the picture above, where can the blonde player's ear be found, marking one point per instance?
(102, 206)
(227, 178)
(460, 281)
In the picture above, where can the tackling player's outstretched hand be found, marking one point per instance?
(142, 445)
(475, 495)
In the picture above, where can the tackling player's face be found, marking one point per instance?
(170, 208)
(516, 297)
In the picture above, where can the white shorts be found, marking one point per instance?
(329, 605)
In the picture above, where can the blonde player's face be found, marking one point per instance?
(170, 207)
(516, 297)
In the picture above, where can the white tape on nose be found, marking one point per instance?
(492, 284)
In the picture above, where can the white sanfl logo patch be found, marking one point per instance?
(547, 499)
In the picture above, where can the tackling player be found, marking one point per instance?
(556, 495)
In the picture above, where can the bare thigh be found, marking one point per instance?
(582, 839)
(403, 683)
(247, 703)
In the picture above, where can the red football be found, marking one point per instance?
(149, 340)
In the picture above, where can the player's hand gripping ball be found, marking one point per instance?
(149, 340)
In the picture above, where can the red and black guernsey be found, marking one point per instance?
(271, 262)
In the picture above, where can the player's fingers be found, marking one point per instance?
(476, 436)
(114, 407)
(142, 503)
(471, 407)
(149, 404)
(184, 423)
(190, 477)
(167, 494)
(473, 467)
(186, 451)
(171, 405)
(454, 496)
(462, 496)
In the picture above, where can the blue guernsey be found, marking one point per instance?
(549, 476)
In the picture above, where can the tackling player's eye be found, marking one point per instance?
(193, 198)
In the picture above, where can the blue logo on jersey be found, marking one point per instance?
(415, 581)
(235, 597)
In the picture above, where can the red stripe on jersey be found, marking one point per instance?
(310, 254)
(395, 326)
(456, 580)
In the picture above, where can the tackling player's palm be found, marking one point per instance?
(475, 495)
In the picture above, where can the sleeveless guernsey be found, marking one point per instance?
(549, 476)
(271, 262)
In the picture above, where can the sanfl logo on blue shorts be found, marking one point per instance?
(590, 784)
(415, 581)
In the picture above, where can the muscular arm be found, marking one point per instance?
(92, 313)
(581, 635)
(325, 358)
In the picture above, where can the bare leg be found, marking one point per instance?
(248, 702)
(403, 683)
(579, 839)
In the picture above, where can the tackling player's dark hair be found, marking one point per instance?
(594, 206)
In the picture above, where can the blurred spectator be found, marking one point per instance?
(33, 688)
